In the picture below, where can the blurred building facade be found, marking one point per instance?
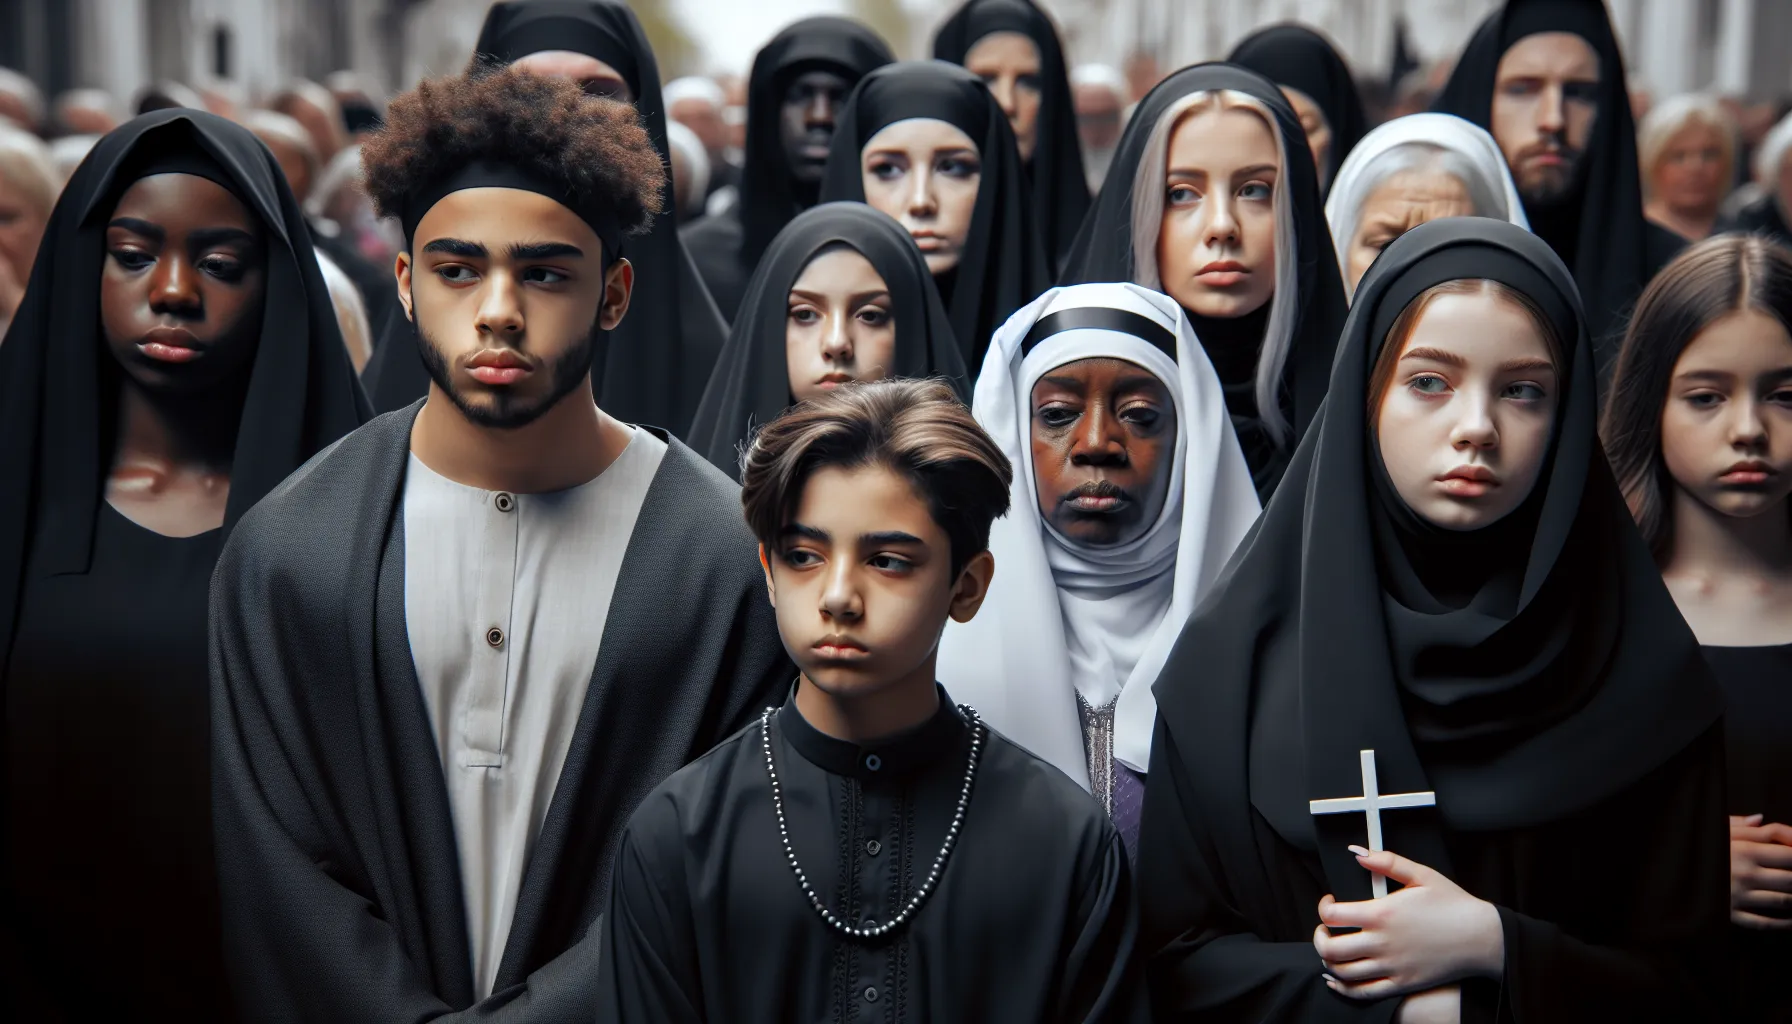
(250, 47)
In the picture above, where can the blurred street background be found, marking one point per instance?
(243, 49)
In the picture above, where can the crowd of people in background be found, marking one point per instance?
(1255, 449)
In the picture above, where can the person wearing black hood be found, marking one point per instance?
(1213, 199)
(175, 358)
(653, 367)
(925, 142)
(1318, 85)
(1547, 79)
(841, 295)
(1444, 659)
(1014, 47)
(799, 82)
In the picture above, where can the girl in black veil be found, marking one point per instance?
(653, 366)
(175, 358)
(1000, 40)
(1446, 601)
(1251, 262)
(895, 311)
(924, 142)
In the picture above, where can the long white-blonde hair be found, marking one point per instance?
(1148, 192)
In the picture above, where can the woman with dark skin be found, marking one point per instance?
(176, 357)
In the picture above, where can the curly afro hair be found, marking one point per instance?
(546, 126)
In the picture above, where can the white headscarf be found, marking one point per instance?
(1361, 174)
(1063, 618)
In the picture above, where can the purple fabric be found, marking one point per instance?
(1129, 800)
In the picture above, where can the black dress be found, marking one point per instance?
(108, 816)
(1757, 683)
(1032, 921)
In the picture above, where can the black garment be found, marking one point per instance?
(101, 622)
(1757, 683)
(652, 367)
(728, 246)
(751, 385)
(1002, 266)
(1032, 920)
(1055, 175)
(1297, 57)
(107, 726)
(1598, 228)
(1553, 699)
(337, 857)
(1761, 217)
(1103, 252)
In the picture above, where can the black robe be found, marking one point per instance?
(1297, 57)
(109, 892)
(652, 368)
(1598, 228)
(1056, 178)
(1002, 266)
(337, 855)
(1103, 252)
(1534, 674)
(751, 385)
(728, 246)
(1761, 217)
(1032, 921)
(1758, 755)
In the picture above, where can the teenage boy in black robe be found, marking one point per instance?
(870, 851)
(799, 83)
(452, 653)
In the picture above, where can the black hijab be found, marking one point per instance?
(728, 247)
(1055, 174)
(1002, 267)
(58, 383)
(654, 364)
(751, 384)
(1546, 670)
(1103, 252)
(1300, 58)
(1598, 228)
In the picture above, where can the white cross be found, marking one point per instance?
(1372, 803)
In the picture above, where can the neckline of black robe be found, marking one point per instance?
(1002, 266)
(1598, 228)
(57, 381)
(751, 385)
(1103, 251)
(1055, 174)
(727, 247)
(1567, 676)
(330, 802)
(1300, 58)
(652, 367)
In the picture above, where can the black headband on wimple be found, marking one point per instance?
(493, 174)
(1101, 318)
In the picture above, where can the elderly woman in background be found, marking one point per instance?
(28, 190)
(1414, 169)
(1771, 213)
(1686, 149)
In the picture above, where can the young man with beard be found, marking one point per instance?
(452, 653)
(1546, 78)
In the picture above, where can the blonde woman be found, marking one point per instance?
(1213, 199)
(1686, 148)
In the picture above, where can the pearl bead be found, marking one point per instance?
(939, 863)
